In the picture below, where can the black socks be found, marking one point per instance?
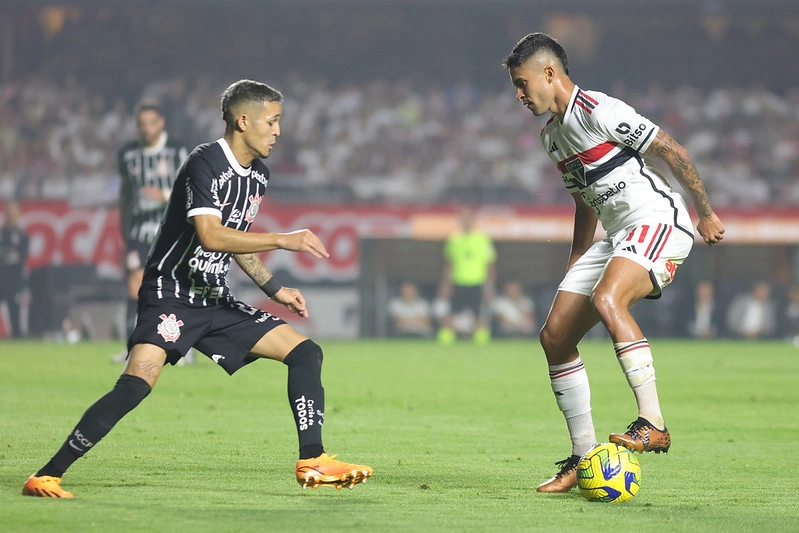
(306, 396)
(305, 392)
(97, 421)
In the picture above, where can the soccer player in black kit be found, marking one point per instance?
(14, 246)
(185, 300)
(148, 167)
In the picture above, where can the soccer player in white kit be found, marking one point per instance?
(603, 149)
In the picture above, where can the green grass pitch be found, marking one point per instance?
(459, 437)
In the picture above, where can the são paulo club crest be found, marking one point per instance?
(252, 210)
(169, 328)
(574, 167)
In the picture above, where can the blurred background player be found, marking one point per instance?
(148, 167)
(603, 150)
(704, 313)
(13, 255)
(512, 312)
(753, 313)
(792, 315)
(467, 282)
(410, 314)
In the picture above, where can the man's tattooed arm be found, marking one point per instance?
(252, 265)
(683, 169)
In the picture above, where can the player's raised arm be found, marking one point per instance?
(215, 237)
(682, 167)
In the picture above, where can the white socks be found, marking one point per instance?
(570, 384)
(635, 359)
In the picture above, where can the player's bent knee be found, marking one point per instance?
(600, 299)
(305, 353)
(549, 338)
(559, 346)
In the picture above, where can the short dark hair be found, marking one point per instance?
(531, 44)
(246, 91)
(148, 104)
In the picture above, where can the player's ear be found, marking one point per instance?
(242, 122)
(549, 73)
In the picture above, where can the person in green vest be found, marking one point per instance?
(467, 282)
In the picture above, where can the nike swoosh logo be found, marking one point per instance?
(75, 447)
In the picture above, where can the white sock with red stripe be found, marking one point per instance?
(635, 359)
(570, 384)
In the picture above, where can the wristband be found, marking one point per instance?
(271, 287)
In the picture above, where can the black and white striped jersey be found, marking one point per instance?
(210, 182)
(140, 167)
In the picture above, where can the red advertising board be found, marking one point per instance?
(62, 235)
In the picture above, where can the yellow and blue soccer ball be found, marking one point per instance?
(608, 473)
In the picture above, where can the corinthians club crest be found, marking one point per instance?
(169, 328)
(255, 204)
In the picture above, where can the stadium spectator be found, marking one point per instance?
(753, 314)
(410, 314)
(598, 144)
(513, 312)
(185, 300)
(433, 156)
(13, 275)
(467, 281)
(148, 167)
(792, 315)
(703, 322)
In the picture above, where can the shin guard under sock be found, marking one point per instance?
(635, 359)
(306, 396)
(96, 422)
(570, 384)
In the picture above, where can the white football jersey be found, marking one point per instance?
(598, 149)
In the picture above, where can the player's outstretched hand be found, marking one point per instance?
(711, 229)
(304, 240)
(292, 299)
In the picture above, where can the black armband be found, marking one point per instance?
(271, 287)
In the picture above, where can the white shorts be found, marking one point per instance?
(659, 248)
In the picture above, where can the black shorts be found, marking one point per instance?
(464, 298)
(225, 333)
(140, 238)
(136, 254)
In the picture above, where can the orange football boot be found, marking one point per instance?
(325, 470)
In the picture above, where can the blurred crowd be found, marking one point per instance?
(391, 142)
(751, 310)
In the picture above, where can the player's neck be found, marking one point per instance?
(243, 154)
(156, 142)
(564, 87)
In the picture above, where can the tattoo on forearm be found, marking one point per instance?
(252, 265)
(684, 171)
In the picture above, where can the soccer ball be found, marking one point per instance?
(608, 473)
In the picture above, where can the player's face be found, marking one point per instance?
(533, 82)
(263, 128)
(150, 124)
(13, 213)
